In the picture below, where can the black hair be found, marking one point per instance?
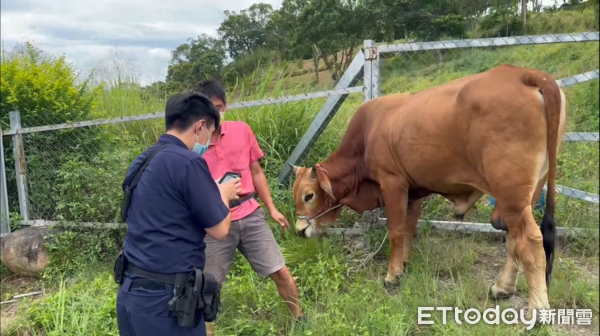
(185, 108)
(211, 88)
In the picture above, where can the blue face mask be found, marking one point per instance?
(201, 149)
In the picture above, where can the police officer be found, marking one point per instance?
(174, 205)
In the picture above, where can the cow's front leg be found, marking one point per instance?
(396, 199)
(413, 213)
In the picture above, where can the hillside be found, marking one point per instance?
(302, 71)
(76, 175)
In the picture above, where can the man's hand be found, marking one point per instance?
(230, 189)
(279, 218)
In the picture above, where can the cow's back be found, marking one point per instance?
(453, 125)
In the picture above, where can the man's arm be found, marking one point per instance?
(260, 180)
(258, 176)
(208, 207)
(261, 185)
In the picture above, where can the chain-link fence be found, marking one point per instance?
(571, 58)
(61, 168)
(66, 168)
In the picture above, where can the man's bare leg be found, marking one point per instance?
(210, 329)
(286, 286)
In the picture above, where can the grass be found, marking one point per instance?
(446, 269)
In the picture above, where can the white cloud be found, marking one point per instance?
(86, 32)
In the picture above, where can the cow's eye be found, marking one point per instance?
(308, 197)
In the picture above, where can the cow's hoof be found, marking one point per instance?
(502, 293)
(390, 287)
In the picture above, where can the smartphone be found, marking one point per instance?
(229, 176)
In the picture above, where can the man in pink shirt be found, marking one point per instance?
(233, 148)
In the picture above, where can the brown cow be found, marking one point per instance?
(495, 133)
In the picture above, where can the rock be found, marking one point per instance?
(23, 252)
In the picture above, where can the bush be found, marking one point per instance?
(44, 90)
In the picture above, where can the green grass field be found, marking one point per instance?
(341, 294)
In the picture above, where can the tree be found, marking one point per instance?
(281, 31)
(245, 32)
(200, 58)
(335, 28)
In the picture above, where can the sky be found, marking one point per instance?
(88, 32)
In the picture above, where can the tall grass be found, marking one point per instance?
(447, 269)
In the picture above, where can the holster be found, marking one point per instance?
(198, 291)
(185, 300)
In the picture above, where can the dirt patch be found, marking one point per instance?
(578, 330)
(12, 285)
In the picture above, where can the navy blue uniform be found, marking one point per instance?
(174, 202)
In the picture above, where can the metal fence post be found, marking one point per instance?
(4, 211)
(324, 116)
(375, 93)
(20, 166)
(367, 76)
(371, 89)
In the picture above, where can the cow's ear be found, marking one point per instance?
(323, 181)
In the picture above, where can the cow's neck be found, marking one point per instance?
(345, 174)
(351, 184)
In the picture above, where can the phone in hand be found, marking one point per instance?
(229, 176)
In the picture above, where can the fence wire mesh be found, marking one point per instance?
(74, 168)
(74, 164)
(573, 61)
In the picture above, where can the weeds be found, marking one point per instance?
(446, 269)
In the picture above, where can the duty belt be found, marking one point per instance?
(164, 278)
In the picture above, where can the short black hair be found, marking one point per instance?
(211, 88)
(185, 108)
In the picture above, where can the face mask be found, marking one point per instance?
(201, 149)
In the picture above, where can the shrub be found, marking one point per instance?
(44, 90)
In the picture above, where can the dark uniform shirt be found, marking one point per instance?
(175, 200)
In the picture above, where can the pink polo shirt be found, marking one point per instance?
(235, 149)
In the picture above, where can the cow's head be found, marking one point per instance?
(314, 200)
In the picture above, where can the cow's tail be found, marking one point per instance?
(552, 94)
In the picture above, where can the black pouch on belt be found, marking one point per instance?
(210, 299)
(119, 267)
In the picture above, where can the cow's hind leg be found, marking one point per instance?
(529, 250)
(507, 283)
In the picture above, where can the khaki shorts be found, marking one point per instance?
(254, 238)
